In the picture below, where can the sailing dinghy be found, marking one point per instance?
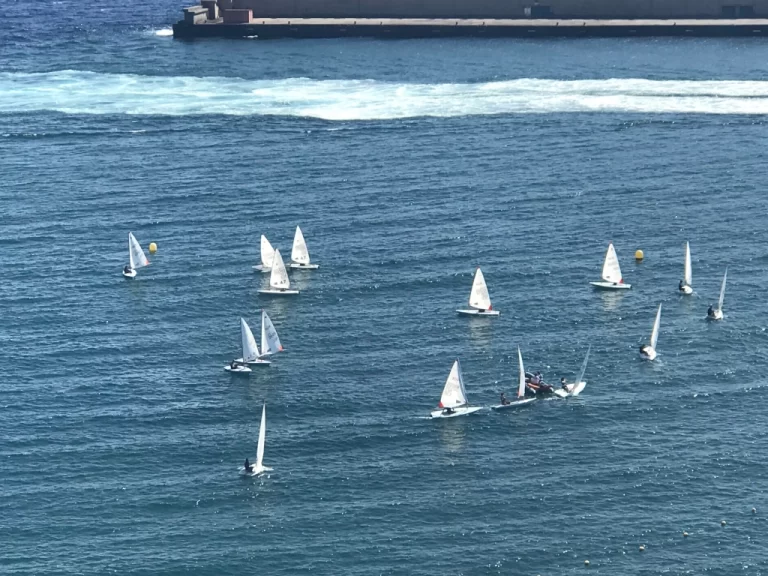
(258, 467)
(300, 254)
(267, 254)
(612, 279)
(136, 257)
(648, 351)
(575, 388)
(521, 399)
(251, 354)
(270, 341)
(279, 285)
(479, 299)
(686, 286)
(717, 313)
(453, 402)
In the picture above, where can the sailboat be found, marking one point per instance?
(612, 279)
(258, 467)
(479, 299)
(717, 313)
(453, 402)
(136, 257)
(267, 254)
(521, 399)
(279, 285)
(250, 352)
(270, 341)
(648, 351)
(299, 253)
(575, 388)
(686, 286)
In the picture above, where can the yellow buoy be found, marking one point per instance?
(639, 255)
(152, 248)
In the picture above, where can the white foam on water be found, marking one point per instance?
(164, 32)
(78, 92)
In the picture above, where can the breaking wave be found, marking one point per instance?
(77, 92)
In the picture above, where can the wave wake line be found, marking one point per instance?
(78, 92)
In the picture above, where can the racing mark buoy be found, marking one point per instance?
(639, 255)
(685, 534)
(642, 548)
(722, 522)
(152, 248)
(586, 562)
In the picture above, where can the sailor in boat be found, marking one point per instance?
(234, 365)
(645, 349)
(503, 400)
(448, 411)
(481, 311)
(711, 311)
(681, 286)
(128, 270)
(248, 466)
(563, 384)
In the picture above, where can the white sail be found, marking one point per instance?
(688, 276)
(299, 254)
(262, 439)
(279, 277)
(521, 375)
(479, 297)
(267, 252)
(136, 255)
(584, 366)
(655, 333)
(270, 341)
(250, 348)
(454, 394)
(611, 268)
(722, 292)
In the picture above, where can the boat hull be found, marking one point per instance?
(478, 312)
(513, 404)
(257, 362)
(130, 275)
(272, 292)
(255, 471)
(687, 290)
(572, 390)
(717, 315)
(297, 266)
(648, 354)
(602, 285)
(262, 268)
(239, 370)
(461, 411)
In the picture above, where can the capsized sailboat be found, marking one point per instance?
(521, 399)
(575, 388)
(300, 253)
(686, 286)
(136, 257)
(717, 313)
(611, 278)
(479, 299)
(267, 254)
(279, 284)
(648, 351)
(454, 402)
(258, 467)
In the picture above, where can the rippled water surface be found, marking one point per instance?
(407, 164)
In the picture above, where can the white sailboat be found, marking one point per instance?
(258, 467)
(575, 388)
(648, 351)
(279, 285)
(521, 399)
(300, 253)
(686, 286)
(453, 402)
(136, 257)
(250, 352)
(270, 341)
(612, 279)
(267, 254)
(717, 313)
(479, 299)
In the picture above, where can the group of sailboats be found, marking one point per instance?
(454, 401)
(252, 356)
(272, 262)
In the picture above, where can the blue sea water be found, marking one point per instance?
(407, 164)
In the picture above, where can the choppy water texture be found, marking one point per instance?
(407, 164)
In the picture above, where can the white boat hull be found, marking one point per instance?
(648, 354)
(255, 471)
(513, 404)
(461, 411)
(602, 285)
(297, 266)
(716, 315)
(572, 390)
(273, 292)
(131, 274)
(473, 312)
(687, 290)
(262, 268)
(257, 362)
(238, 370)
